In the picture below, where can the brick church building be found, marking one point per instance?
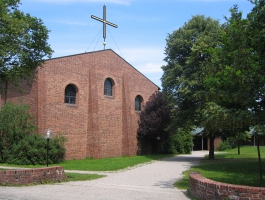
(94, 99)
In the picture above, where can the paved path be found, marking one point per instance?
(151, 181)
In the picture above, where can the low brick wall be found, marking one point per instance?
(29, 176)
(206, 189)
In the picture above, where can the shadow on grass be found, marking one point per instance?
(241, 172)
(229, 167)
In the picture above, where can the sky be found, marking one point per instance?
(143, 26)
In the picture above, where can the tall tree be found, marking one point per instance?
(154, 120)
(256, 30)
(235, 77)
(186, 54)
(23, 44)
(229, 79)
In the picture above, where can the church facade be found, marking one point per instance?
(94, 99)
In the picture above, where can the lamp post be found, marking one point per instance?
(158, 138)
(48, 136)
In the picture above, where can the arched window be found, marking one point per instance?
(138, 103)
(108, 87)
(70, 94)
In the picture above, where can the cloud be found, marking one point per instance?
(144, 53)
(149, 68)
(147, 60)
(124, 2)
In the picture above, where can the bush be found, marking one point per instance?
(32, 150)
(180, 142)
(225, 145)
(15, 124)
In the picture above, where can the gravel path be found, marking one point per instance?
(151, 181)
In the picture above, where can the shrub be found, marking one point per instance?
(15, 124)
(19, 143)
(180, 142)
(225, 145)
(32, 150)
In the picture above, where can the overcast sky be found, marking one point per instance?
(143, 26)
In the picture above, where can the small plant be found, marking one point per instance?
(225, 145)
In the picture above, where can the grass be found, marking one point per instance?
(109, 164)
(90, 164)
(82, 177)
(229, 167)
(103, 164)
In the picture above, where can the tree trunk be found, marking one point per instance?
(238, 147)
(211, 151)
(260, 167)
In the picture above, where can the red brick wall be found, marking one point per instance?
(98, 125)
(29, 176)
(217, 142)
(206, 189)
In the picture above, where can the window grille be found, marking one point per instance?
(108, 87)
(138, 103)
(70, 94)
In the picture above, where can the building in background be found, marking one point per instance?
(94, 99)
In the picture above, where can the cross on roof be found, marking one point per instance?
(104, 23)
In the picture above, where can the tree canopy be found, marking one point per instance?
(215, 73)
(187, 52)
(23, 43)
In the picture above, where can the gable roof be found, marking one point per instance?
(101, 51)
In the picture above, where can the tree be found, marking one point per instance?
(154, 119)
(235, 76)
(256, 32)
(186, 54)
(15, 124)
(23, 44)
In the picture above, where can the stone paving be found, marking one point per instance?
(150, 181)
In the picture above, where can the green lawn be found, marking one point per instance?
(81, 177)
(229, 167)
(103, 164)
(108, 164)
(89, 164)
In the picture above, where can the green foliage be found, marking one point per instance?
(15, 124)
(225, 145)
(187, 52)
(180, 142)
(214, 75)
(31, 150)
(23, 44)
(57, 149)
(19, 143)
